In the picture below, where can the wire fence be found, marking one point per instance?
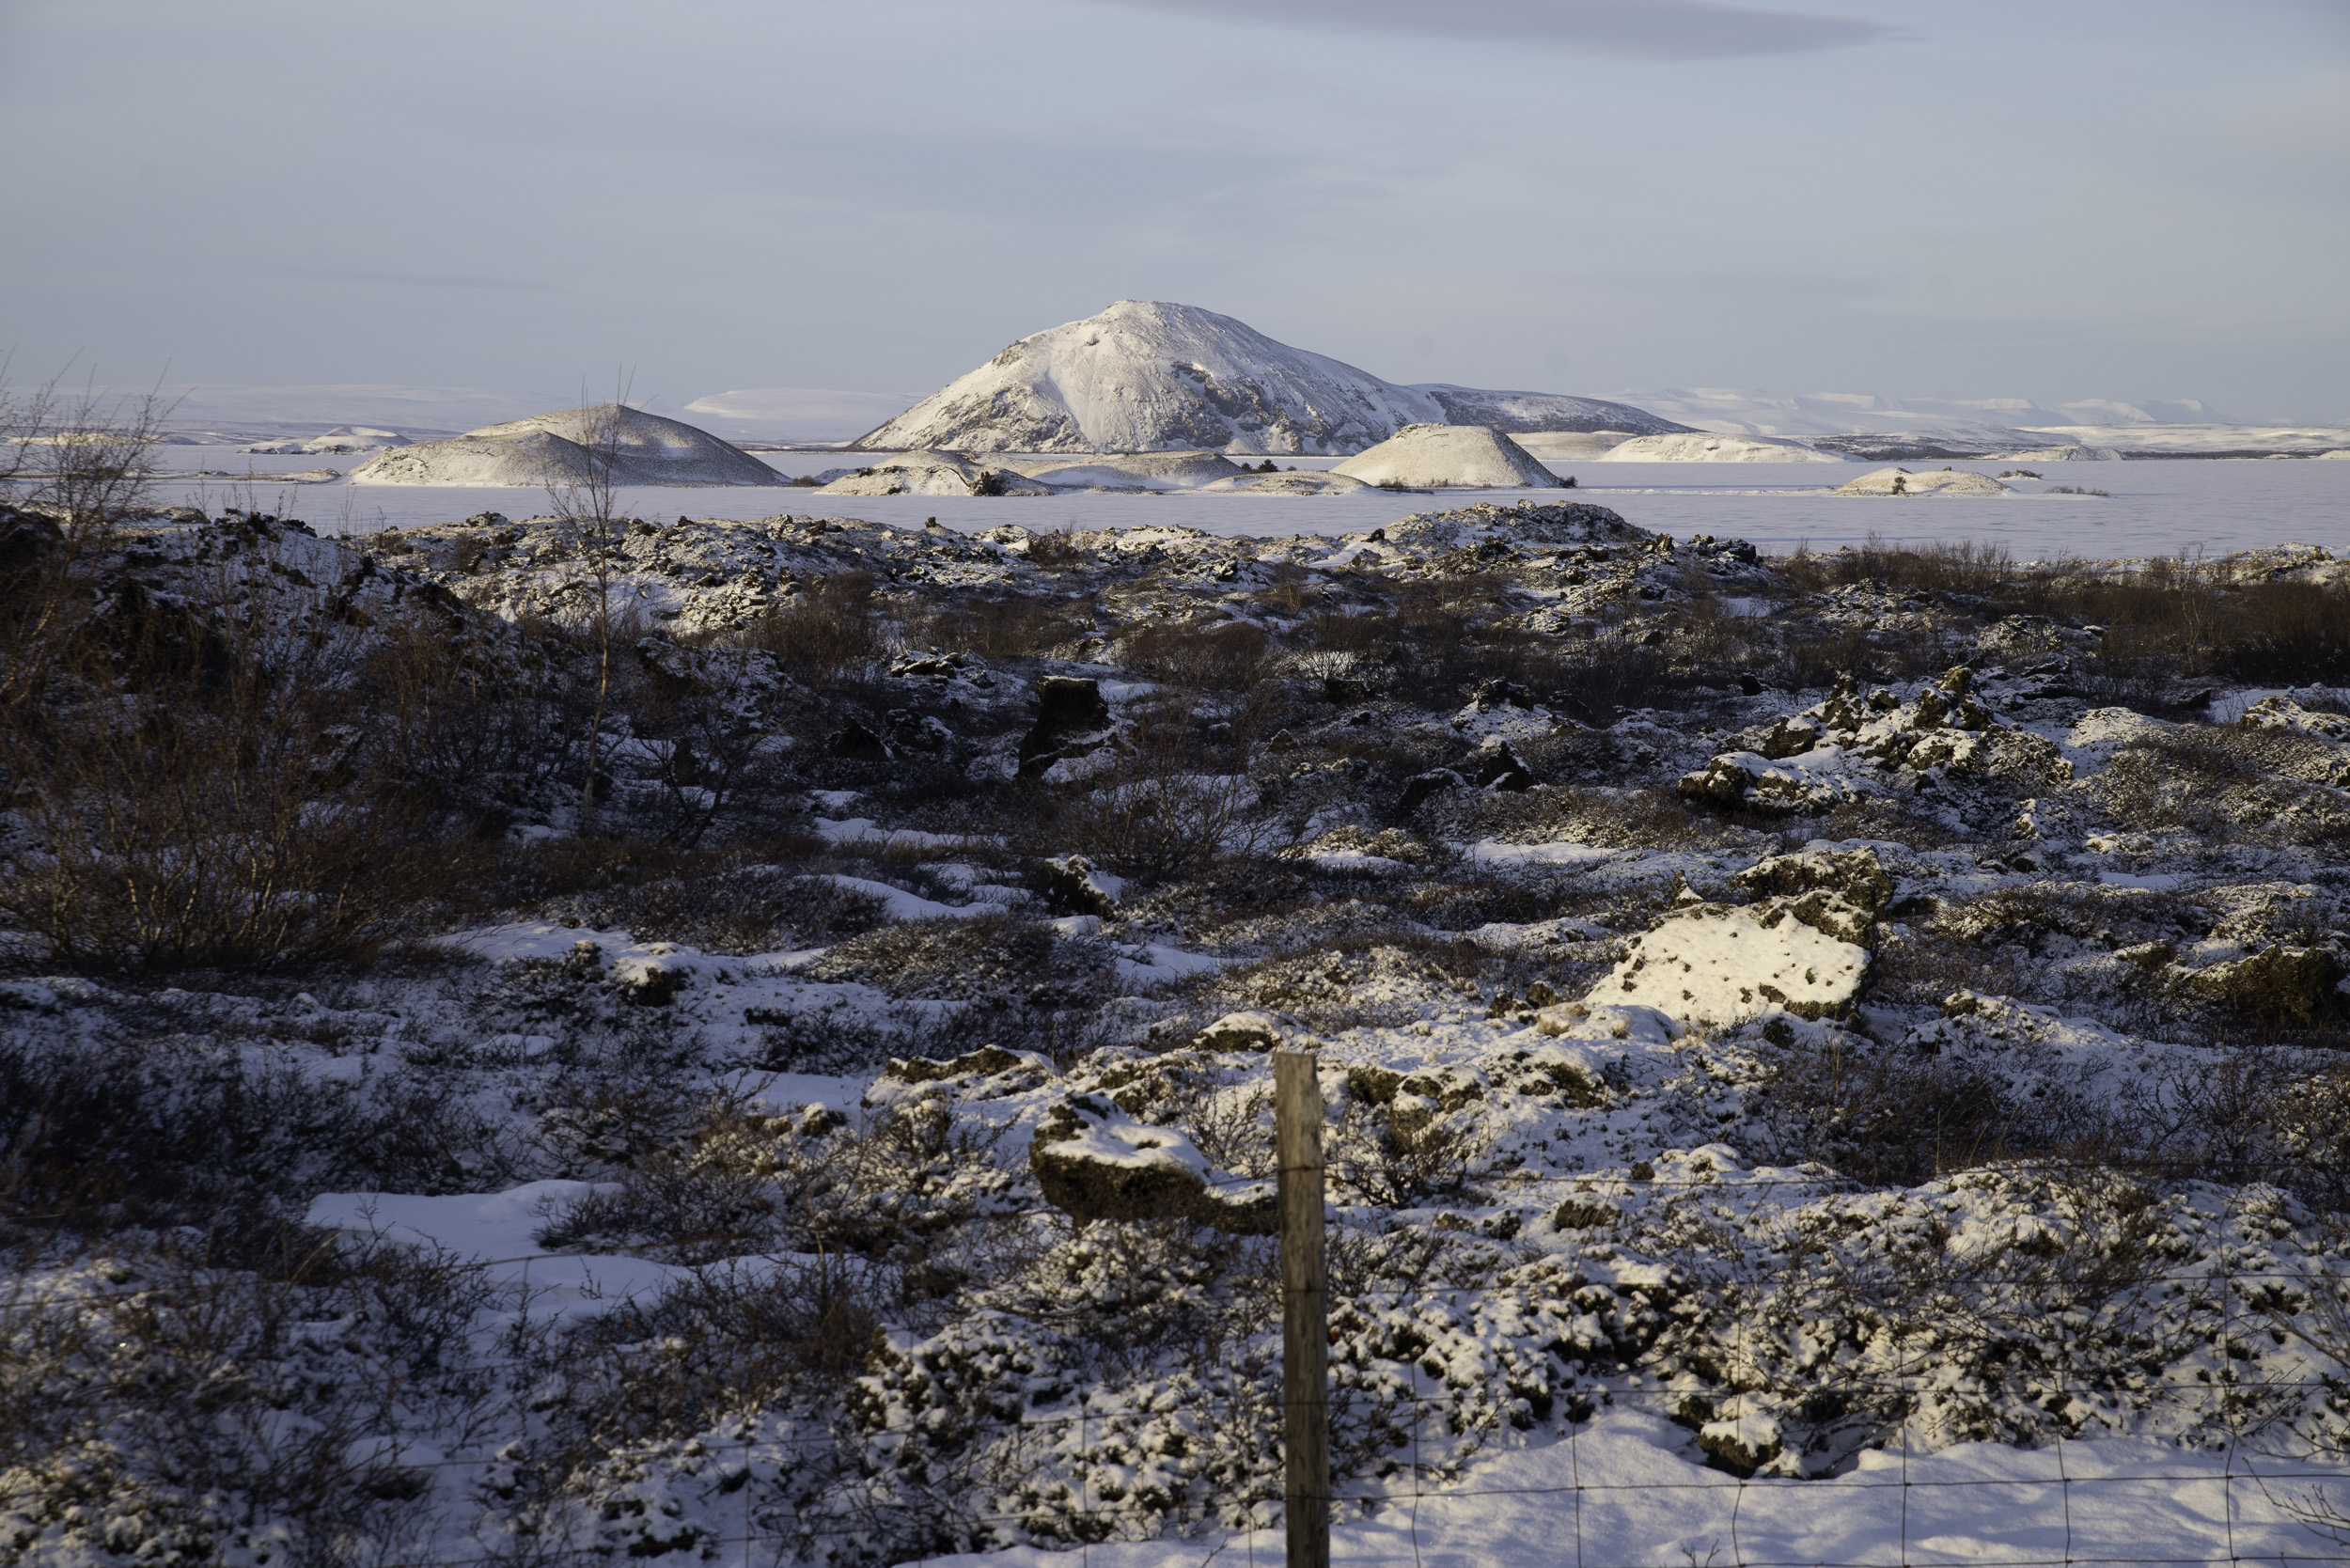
(2264, 1499)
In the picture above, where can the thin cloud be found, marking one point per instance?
(1638, 29)
(417, 280)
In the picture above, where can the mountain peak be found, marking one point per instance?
(1157, 375)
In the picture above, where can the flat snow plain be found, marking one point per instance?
(2155, 508)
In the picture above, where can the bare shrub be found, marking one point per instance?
(157, 1406)
(223, 816)
(1400, 1154)
(88, 456)
(822, 632)
(1006, 628)
(152, 1134)
(1890, 1117)
(989, 955)
(1057, 550)
(1169, 806)
(1227, 656)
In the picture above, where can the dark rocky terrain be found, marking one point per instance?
(1803, 998)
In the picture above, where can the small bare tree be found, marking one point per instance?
(583, 483)
(25, 420)
(91, 457)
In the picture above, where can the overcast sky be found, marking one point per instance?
(2050, 198)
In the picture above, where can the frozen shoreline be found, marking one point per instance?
(2213, 507)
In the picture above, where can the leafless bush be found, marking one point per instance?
(153, 1404)
(1057, 550)
(1399, 1155)
(990, 955)
(822, 631)
(1169, 806)
(1223, 657)
(224, 815)
(145, 1134)
(1890, 1117)
(1007, 628)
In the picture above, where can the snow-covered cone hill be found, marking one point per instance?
(1450, 455)
(553, 448)
(1146, 375)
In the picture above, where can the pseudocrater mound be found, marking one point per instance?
(1449, 456)
(627, 445)
(1940, 481)
(934, 473)
(1190, 470)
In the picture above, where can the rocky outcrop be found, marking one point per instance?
(1943, 737)
(1241, 1031)
(1073, 721)
(2297, 986)
(1094, 1163)
(1856, 876)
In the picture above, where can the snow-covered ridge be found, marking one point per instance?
(1744, 411)
(1147, 375)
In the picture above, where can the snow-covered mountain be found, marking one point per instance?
(1146, 375)
(1739, 411)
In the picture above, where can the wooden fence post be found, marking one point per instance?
(1305, 1309)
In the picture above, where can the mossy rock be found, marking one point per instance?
(2280, 984)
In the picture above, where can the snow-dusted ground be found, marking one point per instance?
(2153, 508)
(1662, 1293)
(1618, 1497)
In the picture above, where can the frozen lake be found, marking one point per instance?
(2155, 508)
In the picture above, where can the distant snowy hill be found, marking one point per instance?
(1743, 411)
(1514, 413)
(1146, 375)
(546, 449)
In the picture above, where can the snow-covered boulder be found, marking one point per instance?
(1300, 482)
(2282, 713)
(1702, 447)
(556, 448)
(1131, 470)
(1718, 964)
(934, 473)
(1448, 456)
(2300, 986)
(1856, 876)
(1241, 1031)
(1094, 1162)
(1938, 481)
